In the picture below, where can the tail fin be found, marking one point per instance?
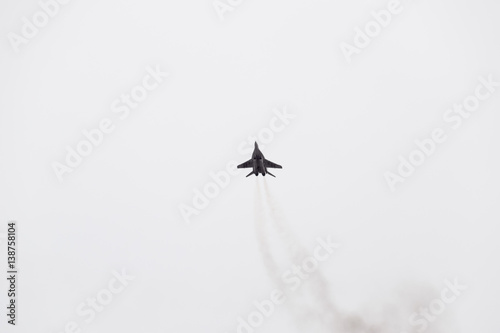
(251, 173)
(271, 174)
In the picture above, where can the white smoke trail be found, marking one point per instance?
(260, 230)
(263, 232)
(317, 287)
(312, 305)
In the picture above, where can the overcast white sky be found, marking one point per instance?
(347, 125)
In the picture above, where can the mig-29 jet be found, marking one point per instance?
(259, 164)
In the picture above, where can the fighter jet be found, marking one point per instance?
(259, 163)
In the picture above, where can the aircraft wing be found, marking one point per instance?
(270, 164)
(247, 164)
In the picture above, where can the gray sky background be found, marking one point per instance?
(119, 209)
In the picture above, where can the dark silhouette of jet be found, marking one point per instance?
(259, 163)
